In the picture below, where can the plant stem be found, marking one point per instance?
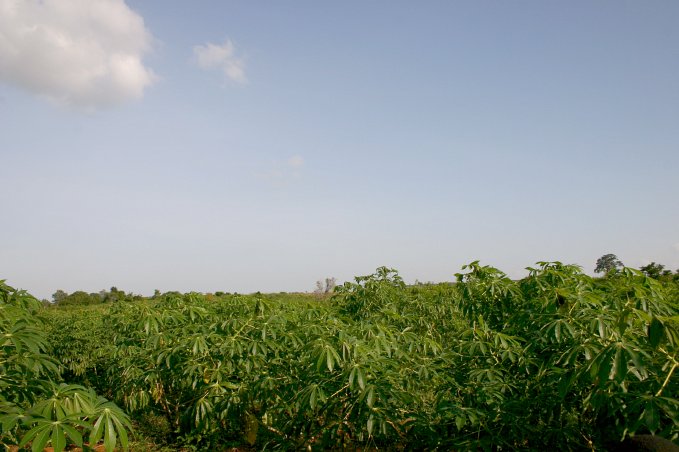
(667, 379)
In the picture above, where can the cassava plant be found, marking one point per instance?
(36, 407)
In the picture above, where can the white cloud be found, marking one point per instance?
(84, 53)
(282, 173)
(213, 56)
(676, 246)
(296, 161)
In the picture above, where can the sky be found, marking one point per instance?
(248, 146)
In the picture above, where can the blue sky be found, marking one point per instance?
(243, 146)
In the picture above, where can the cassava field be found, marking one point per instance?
(556, 361)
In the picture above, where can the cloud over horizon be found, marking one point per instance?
(81, 53)
(296, 161)
(223, 57)
(282, 173)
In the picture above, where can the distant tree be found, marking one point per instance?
(654, 270)
(606, 263)
(658, 271)
(80, 298)
(115, 295)
(59, 296)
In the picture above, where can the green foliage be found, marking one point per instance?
(557, 359)
(81, 341)
(24, 364)
(369, 294)
(34, 408)
(80, 298)
(59, 296)
(658, 271)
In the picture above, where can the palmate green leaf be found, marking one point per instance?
(367, 395)
(313, 398)
(33, 433)
(9, 421)
(203, 409)
(330, 360)
(370, 425)
(58, 439)
(73, 434)
(97, 431)
(321, 359)
(460, 421)
(41, 439)
(651, 416)
(80, 402)
(109, 436)
(565, 384)
(601, 327)
(619, 364)
(672, 331)
(360, 377)
(352, 377)
(12, 414)
(655, 332)
(103, 427)
(56, 431)
(605, 365)
(669, 407)
(600, 367)
(64, 400)
(370, 398)
(111, 423)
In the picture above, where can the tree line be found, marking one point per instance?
(610, 264)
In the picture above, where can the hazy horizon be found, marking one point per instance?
(248, 146)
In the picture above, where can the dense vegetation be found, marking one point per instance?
(36, 405)
(557, 359)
